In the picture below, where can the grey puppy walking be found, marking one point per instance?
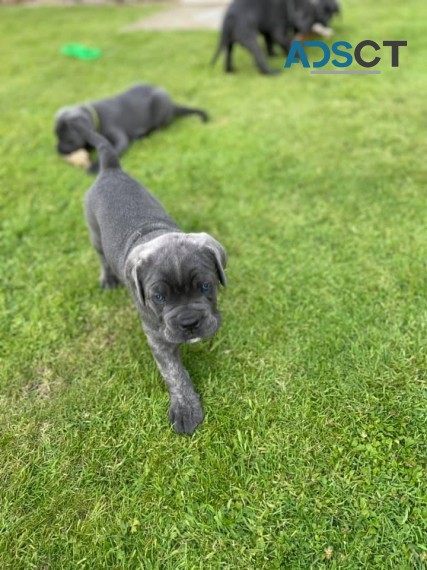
(172, 276)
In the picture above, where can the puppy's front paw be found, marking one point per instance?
(185, 415)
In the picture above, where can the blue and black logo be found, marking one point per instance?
(345, 56)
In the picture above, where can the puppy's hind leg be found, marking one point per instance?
(283, 41)
(250, 43)
(181, 111)
(269, 44)
(107, 279)
(229, 68)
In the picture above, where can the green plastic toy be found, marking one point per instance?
(80, 51)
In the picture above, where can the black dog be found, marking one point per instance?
(121, 119)
(244, 20)
(279, 21)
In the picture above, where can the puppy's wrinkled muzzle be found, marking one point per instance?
(190, 325)
(189, 321)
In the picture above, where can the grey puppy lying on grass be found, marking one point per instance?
(172, 276)
(121, 119)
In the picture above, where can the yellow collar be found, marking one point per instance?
(95, 117)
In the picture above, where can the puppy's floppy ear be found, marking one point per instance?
(73, 117)
(137, 285)
(138, 262)
(63, 116)
(132, 269)
(60, 123)
(215, 249)
(58, 126)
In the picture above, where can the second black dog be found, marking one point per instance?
(306, 16)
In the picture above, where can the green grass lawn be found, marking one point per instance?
(312, 453)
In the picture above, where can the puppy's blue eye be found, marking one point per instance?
(158, 299)
(205, 287)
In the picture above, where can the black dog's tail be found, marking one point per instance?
(219, 49)
(107, 155)
(225, 37)
(181, 111)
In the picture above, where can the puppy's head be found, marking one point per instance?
(174, 279)
(324, 10)
(68, 123)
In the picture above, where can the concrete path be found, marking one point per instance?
(185, 15)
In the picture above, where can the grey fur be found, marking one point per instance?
(140, 246)
(122, 119)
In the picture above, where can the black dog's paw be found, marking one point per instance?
(273, 72)
(185, 415)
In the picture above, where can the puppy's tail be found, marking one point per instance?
(181, 111)
(107, 156)
(225, 37)
(219, 49)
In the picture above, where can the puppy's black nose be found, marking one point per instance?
(189, 322)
